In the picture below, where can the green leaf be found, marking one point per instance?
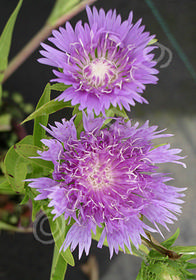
(190, 275)
(48, 108)
(16, 167)
(139, 276)
(27, 151)
(14, 164)
(2, 168)
(20, 171)
(119, 113)
(2, 178)
(170, 241)
(188, 257)
(112, 111)
(38, 131)
(5, 188)
(185, 250)
(59, 87)
(59, 229)
(190, 265)
(61, 7)
(5, 42)
(78, 121)
(59, 266)
(153, 41)
(36, 205)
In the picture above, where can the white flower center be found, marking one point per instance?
(100, 177)
(100, 72)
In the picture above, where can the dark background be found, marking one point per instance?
(21, 256)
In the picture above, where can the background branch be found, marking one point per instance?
(41, 36)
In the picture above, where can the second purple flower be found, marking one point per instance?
(104, 62)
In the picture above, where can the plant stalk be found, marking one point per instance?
(151, 242)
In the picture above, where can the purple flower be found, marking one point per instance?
(104, 62)
(108, 179)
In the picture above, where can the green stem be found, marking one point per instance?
(59, 266)
(39, 37)
(151, 242)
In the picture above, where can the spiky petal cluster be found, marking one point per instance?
(104, 62)
(108, 179)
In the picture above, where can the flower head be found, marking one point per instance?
(104, 62)
(108, 179)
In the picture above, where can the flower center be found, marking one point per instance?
(100, 72)
(100, 176)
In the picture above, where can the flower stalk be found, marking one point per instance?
(151, 242)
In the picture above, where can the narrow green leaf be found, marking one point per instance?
(170, 241)
(61, 7)
(190, 265)
(5, 42)
(37, 205)
(6, 36)
(186, 250)
(139, 276)
(153, 41)
(48, 108)
(59, 229)
(59, 87)
(119, 113)
(59, 266)
(190, 275)
(188, 257)
(78, 120)
(157, 146)
(38, 131)
(112, 111)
